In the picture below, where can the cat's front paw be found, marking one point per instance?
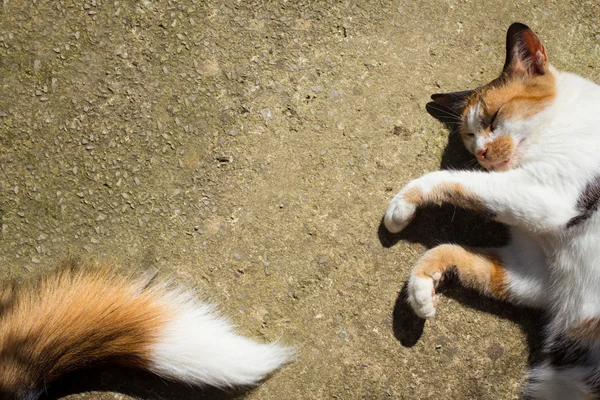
(399, 214)
(421, 296)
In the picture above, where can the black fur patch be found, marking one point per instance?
(20, 395)
(588, 202)
(563, 352)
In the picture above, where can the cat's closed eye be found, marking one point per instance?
(493, 121)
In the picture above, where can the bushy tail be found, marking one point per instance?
(74, 320)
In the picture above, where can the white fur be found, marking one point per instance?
(421, 296)
(473, 119)
(548, 264)
(399, 213)
(200, 348)
(527, 270)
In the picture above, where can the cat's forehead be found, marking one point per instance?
(516, 98)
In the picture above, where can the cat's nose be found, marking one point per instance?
(481, 154)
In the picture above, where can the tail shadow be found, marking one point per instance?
(133, 383)
(434, 225)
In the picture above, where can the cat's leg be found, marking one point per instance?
(513, 197)
(516, 273)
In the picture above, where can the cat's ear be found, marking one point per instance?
(456, 101)
(525, 53)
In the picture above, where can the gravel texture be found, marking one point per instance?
(250, 148)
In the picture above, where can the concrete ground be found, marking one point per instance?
(250, 149)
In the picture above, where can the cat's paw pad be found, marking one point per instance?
(422, 297)
(399, 214)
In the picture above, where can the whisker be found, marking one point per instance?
(469, 164)
(445, 110)
(453, 116)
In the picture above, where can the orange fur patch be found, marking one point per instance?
(455, 193)
(477, 269)
(500, 149)
(414, 196)
(513, 97)
(499, 282)
(72, 320)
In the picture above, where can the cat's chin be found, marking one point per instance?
(500, 166)
(503, 165)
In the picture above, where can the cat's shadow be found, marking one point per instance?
(133, 383)
(435, 225)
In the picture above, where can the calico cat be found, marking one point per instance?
(77, 319)
(537, 131)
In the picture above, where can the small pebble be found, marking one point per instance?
(266, 114)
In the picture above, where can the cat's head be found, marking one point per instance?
(496, 119)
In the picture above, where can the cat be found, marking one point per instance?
(74, 319)
(537, 132)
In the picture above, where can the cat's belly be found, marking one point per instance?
(575, 279)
